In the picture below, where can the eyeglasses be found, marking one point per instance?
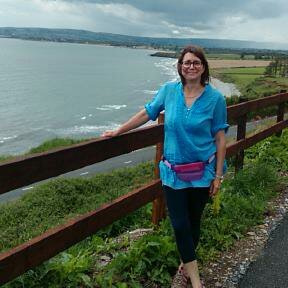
(196, 64)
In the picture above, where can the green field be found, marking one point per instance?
(223, 56)
(228, 56)
(241, 77)
(283, 80)
(251, 81)
(247, 70)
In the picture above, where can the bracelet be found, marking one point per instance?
(219, 177)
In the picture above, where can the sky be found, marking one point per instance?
(255, 20)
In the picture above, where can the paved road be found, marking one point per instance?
(126, 160)
(270, 270)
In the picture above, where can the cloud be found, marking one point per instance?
(185, 12)
(41, 13)
(243, 19)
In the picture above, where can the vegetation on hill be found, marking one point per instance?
(84, 36)
(278, 67)
(256, 82)
(48, 145)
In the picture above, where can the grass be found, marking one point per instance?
(223, 56)
(251, 81)
(246, 70)
(252, 84)
(279, 80)
(273, 150)
(45, 146)
(262, 87)
(228, 56)
(51, 144)
(243, 201)
(241, 77)
(240, 205)
(6, 158)
(56, 201)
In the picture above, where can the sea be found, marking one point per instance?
(51, 89)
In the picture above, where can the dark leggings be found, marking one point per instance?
(185, 208)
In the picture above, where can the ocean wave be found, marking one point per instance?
(227, 89)
(85, 117)
(150, 92)
(5, 139)
(110, 107)
(168, 67)
(85, 129)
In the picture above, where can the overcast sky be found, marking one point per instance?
(259, 20)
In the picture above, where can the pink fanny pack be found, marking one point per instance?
(191, 171)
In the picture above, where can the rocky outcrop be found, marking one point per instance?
(169, 54)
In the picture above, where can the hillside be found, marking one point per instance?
(83, 36)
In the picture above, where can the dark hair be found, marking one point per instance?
(198, 52)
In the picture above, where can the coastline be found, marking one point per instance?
(101, 44)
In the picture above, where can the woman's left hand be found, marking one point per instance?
(214, 187)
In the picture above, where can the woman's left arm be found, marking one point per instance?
(220, 156)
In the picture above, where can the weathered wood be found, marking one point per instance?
(237, 110)
(32, 253)
(280, 113)
(233, 149)
(280, 116)
(159, 207)
(252, 140)
(26, 170)
(241, 134)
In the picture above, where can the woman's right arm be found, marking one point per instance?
(137, 120)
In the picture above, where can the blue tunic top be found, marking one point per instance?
(189, 131)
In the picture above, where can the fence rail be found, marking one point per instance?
(26, 170)
(237, 110)
(23, 171)
(32, 253)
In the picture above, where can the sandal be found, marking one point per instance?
(181, 279)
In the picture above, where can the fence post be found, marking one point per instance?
(159, 208)
(241, 134)
(280, 113)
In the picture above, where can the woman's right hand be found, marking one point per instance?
(110, 133)
(137, 120)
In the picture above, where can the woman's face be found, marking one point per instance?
(192, 67)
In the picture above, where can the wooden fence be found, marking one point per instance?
(26, 170)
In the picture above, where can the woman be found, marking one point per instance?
(195, 126)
